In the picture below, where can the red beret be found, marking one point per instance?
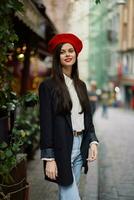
(65, 38)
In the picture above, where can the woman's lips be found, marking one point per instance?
(68, 60)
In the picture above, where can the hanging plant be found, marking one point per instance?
(9, 158)
(7, 33)
(8, 37)
(8, 99)
(97, 1)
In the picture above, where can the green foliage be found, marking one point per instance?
(29, 99)
(97, 1)
(7, 33)
(27, 126)
(8, 36)
(8, 158)
(8, 100)
(25, 132)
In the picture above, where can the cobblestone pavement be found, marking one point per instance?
(116, 154)
(44, 190)
(112, 176)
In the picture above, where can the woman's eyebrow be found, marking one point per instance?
(67, 49)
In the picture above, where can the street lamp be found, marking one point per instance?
(121, 1)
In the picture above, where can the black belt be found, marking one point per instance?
(77, 133)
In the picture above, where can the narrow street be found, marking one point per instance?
(111, 177)
(116, 154)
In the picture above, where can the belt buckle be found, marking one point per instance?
(75, 133)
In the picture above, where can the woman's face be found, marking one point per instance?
(67, 55)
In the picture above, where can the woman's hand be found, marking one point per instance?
(92, 153)
(51, 169)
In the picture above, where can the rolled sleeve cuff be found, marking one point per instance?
(94, 142)
(48, 159)
(47, 153)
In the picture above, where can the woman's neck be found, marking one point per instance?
(67, 72)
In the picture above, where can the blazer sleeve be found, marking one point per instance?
(46, 121)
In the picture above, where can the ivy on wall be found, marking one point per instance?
(97, 1)
(7, 33)
(7, 39)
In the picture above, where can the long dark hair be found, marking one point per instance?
(63, 100)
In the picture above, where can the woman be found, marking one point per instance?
(68, 137)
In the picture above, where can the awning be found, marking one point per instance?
(127, 80)
(32, 18)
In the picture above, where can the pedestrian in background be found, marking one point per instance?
(93, 98)
(68, 139)
(104, 101)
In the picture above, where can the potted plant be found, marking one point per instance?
(24, 139)
(13, 181)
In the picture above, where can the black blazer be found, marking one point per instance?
(56, 137)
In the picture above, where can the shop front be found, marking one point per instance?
(28, 55)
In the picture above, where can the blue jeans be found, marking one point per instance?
(71, 192)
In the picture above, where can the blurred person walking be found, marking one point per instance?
(68, 140)
(93, 98)
(104, 101)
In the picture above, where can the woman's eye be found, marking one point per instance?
(71, 50)
(68, 51)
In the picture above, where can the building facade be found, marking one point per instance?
(78, 23)
(126, 51)
(99, 54)
(111, 41)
